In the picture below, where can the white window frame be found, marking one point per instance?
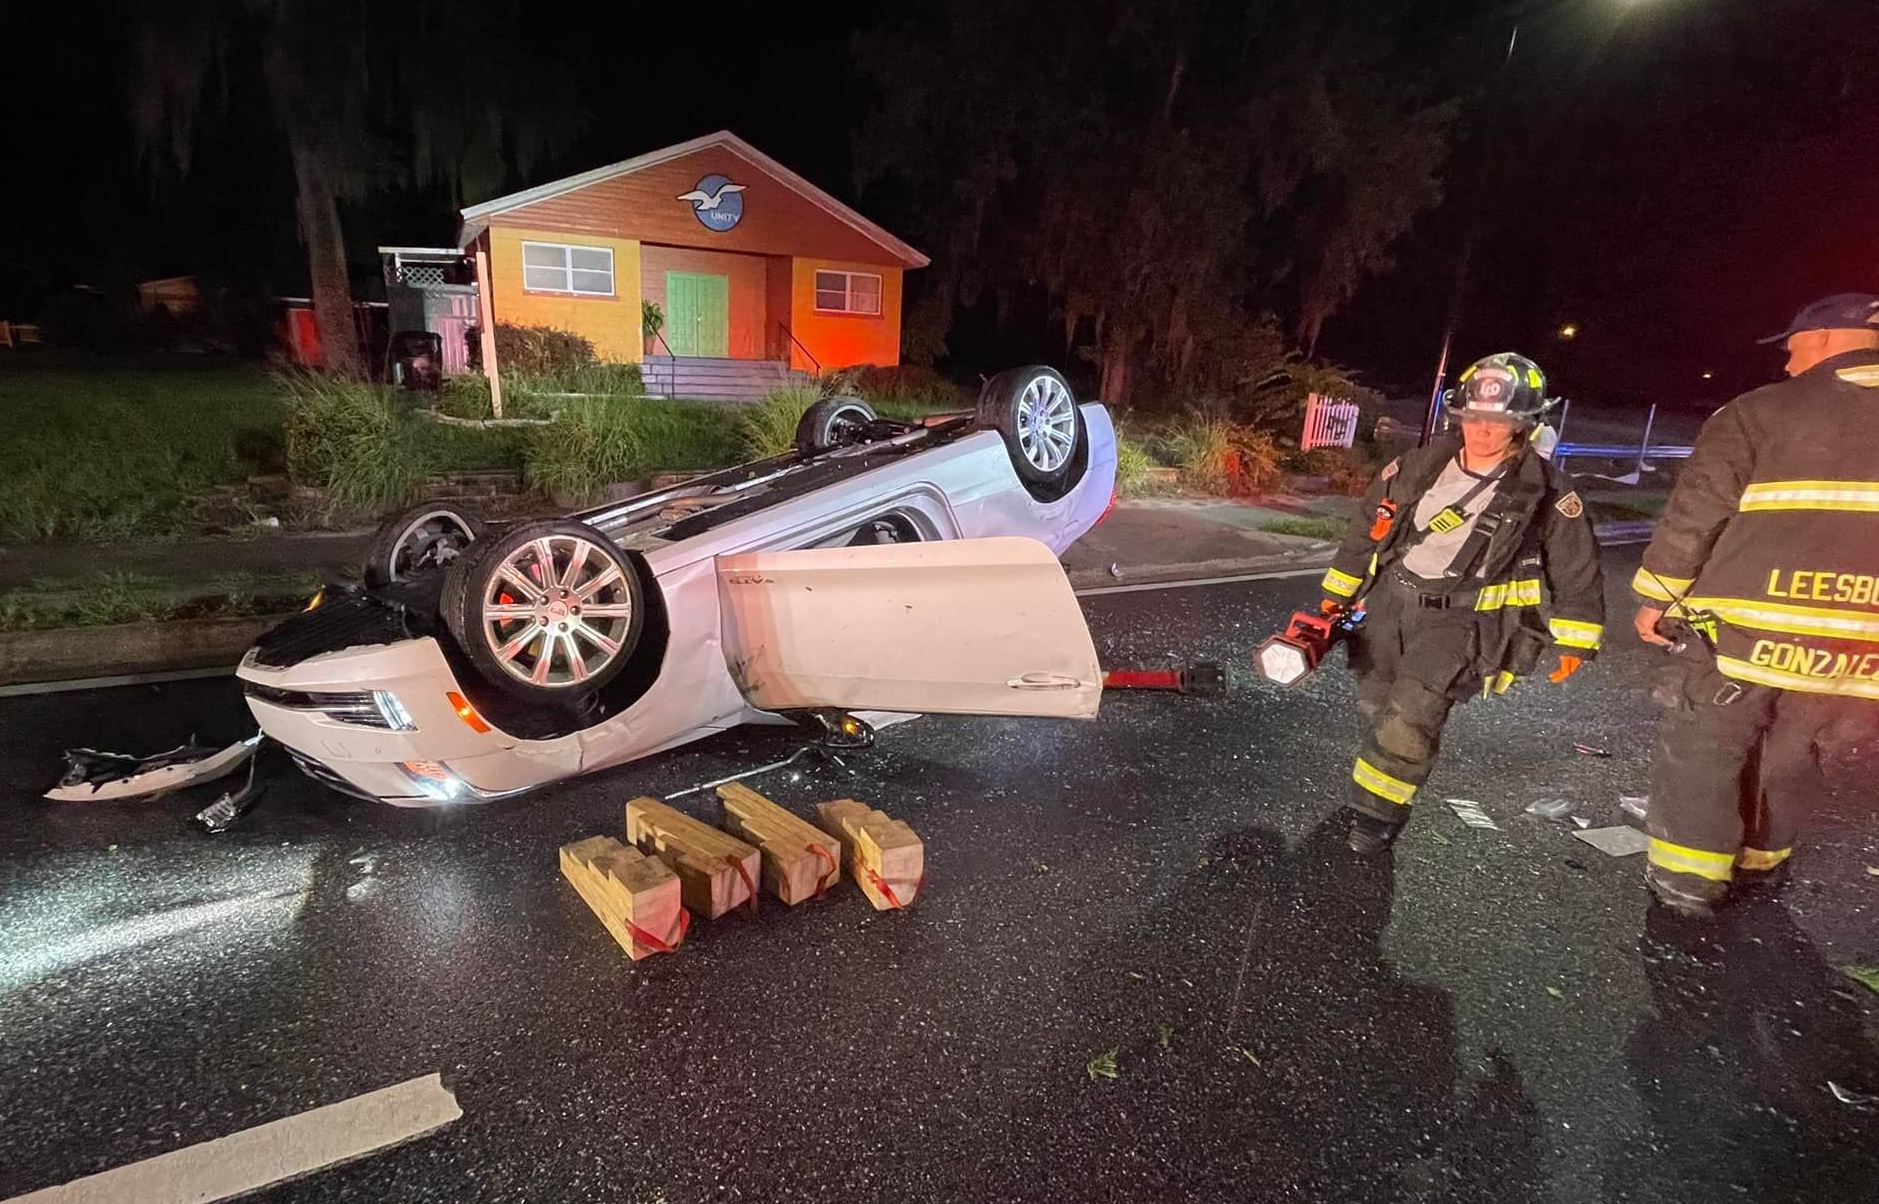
(567, 269)
(848, 292)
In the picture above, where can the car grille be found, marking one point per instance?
(346, 619)
(358, 707)
(327, 777)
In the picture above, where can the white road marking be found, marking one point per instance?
(1271, 575)
(280, 1149)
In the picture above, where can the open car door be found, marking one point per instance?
(961, 626)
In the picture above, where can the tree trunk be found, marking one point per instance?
(1114, 383)
(318, 210)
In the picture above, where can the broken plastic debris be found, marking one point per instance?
(1634, 805)
(221, 815)
(91, 775)
(1470, 813)
(1586, 750)
(1859, 1099)
(1621, 840)
(1558, 810)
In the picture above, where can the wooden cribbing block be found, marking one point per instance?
(886, 859)
(716, 871)
(635, 896)
(799, 859)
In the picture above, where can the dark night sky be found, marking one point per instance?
(1675, 176)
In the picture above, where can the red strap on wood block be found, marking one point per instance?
(642, 937)
(748, 884)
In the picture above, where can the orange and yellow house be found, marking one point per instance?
(747, 261)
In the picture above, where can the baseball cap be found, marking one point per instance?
(1842, 311)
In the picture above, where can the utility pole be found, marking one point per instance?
(1462, 262)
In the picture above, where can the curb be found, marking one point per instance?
(127, 649)
(1608, 534)
(1161, 574)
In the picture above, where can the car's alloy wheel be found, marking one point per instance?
(833, 422)
(1036, 414)
(552, 610)
(430, 536)
(1047, 423)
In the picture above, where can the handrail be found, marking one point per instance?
(672, 377)
(798, 342)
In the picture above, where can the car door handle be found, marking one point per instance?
(1045, 681)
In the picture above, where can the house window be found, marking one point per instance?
(848, 293)
(552, 268)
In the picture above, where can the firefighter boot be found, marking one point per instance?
(1686, 894)
(1371, 835)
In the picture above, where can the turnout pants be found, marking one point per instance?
(1413, 665)
(1738, 770)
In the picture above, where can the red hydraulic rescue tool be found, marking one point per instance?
(1205, 679)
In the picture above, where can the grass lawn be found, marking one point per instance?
(106, 449)
(124, 597)
(1317, 527)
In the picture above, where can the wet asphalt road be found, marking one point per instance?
(1484, 1019)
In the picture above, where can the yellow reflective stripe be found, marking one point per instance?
(1795, 620)
(1571, 633)
(1500, 683)
(1783, 679)
(1761, 859)
(1341, 584)
(1382, 784)
(1717, 867)
(1866, 376)
(1857, 496)
(1525, 592)
(1661, 586)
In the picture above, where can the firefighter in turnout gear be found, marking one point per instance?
(1762, 580)
(1471, 556)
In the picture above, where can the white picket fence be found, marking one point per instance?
(1328, 423)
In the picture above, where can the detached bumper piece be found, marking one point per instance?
(94, 776)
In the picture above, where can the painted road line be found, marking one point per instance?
(1271, 575)
(270, 1153)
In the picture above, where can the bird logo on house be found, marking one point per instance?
(717, 203)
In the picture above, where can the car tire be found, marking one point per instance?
(1036, 414)
(547, 612)
(431, 536)
(831, 423)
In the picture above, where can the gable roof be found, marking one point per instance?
(476, 217)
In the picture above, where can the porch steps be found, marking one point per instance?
(715, 379)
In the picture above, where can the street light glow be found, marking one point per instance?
(1569, 331)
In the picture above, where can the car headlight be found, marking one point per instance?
(392, 711)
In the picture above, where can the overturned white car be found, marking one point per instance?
(881, 566)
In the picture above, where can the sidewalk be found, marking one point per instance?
(1169, 539)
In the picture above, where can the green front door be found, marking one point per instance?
(698, 314)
